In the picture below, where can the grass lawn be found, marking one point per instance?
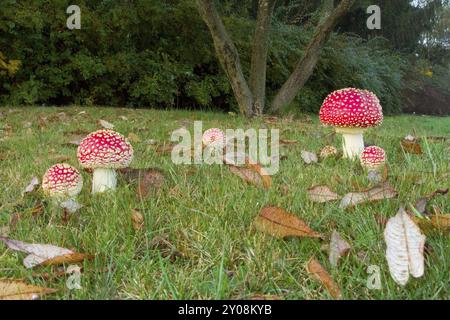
(207, 212)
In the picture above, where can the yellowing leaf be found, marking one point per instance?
(11, 289)
(279, 223)
(105, 124)
(405, 245)
(137, 219)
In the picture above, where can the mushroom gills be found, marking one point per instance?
(353, 141)
(103, 180)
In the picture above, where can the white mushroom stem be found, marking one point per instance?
(103, 180)
(353, 143)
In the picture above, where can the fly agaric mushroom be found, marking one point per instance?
(372, 158)
(62, 182)
(214, 137)
(328, 151)
(104, 151)
(351, 111)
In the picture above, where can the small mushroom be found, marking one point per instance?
(213, 137)
(373, 158)
(328, 151)
(104, 151)
(62, 182)
(351, 111)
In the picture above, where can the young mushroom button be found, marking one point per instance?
(351, 111)
(373, 158)
(104, 151)
(62, 182)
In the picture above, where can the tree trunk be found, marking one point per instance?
(259, 55)
(228, 55)
(305, 67)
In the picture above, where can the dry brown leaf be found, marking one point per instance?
(422, 203)
(137, 219)
(288, 142)
(435, 223)
(322, 194)
(40, 253)
(149, 181)
(13, 289)
(279, 223)
(338, 248)
(165, 148)
(253, 174)
(411, 146)
(314, 268)
(379, 192)
(165, 247)
(71, 258)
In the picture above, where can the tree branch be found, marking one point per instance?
(228, 55)
(305, 67)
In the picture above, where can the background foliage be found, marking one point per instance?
(148, 53)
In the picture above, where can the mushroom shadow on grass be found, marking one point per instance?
(104, 151)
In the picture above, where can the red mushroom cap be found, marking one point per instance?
(373, 157)
(351, 108)
(105, 149)
(213, 136)
(62, 180)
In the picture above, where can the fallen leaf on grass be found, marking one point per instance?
(11, 289)
(379, 192)
(322, 194)
(33, 183)
(328, 151)
(309, 157)
(105, 124)
(137, 219)
(338, 248)
(43, 253)
(314, 268)
(411, 145)
(405, 245)
(432, 224)
(279, 223)
(149, 181)
(165, 148)
(422, 203)
(165, 247)
(253, 174)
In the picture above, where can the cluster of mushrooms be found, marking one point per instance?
(102, 151)
(352, 111)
